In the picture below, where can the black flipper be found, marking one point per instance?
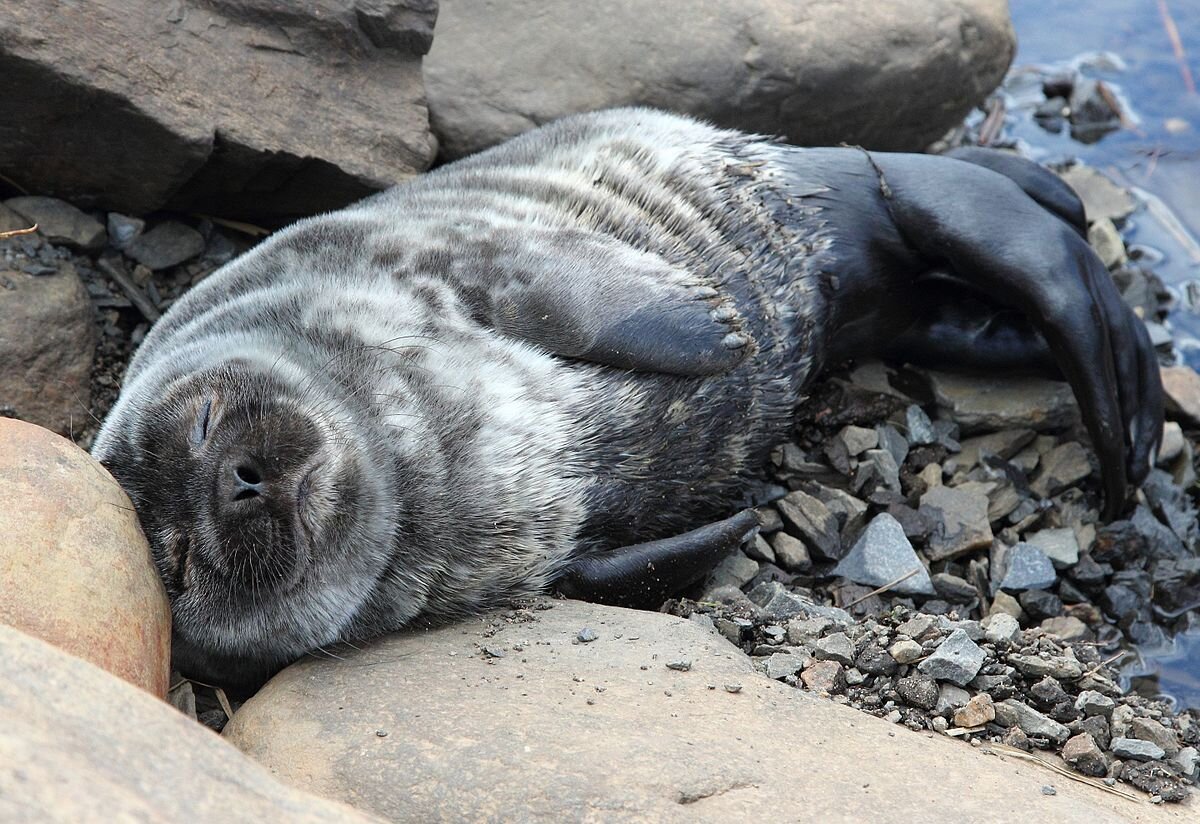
(584, 296)
(645, 575)
(993, 236)
(1049, 190)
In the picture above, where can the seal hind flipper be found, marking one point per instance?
(1049, 190)
(644, 575)
(950, 213)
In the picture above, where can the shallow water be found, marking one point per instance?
(1127, 44)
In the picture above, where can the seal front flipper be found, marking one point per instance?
(585, 296)
(993, 236)
(645, 575)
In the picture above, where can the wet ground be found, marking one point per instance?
(1148, 54)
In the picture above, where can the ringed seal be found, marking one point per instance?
(560, 363)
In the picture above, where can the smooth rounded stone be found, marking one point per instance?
(906, 651)
(1027, 568)
(858, 439)
(998, 402)
(815, 74)
(1000, 627)
(468, 736)
(813, 520)
(957, 659)
(76, 569)
(1172, 443)
(1182, 387)
(60, 222)
(77, 744)
(1012, 712)
(1082, 753)
(1063, 466)
(791, 553)
(960, 521)
(47, 342)
(920, 428)
(206, 115)
(1060, 545)
(881, 555)
(167, 244)
(1102, 199)
(835, 647)
(1136, 749)
(979, 710)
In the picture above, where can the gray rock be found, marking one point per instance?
(1001, 627)
(1182, 387)
(920, 428)
(167, 244)
(1106, 240)
(1012, 712)
(957, 659)
(122, 229)
(1063, 466)
(1147, 729)
(270, 79)
(1060, 545)
(1161, 542)
(1027, 568)
(791, 553)
(877, 469)
(891, 440)
(1188, 761)
(1091, 702)
(953, 588)
(1136, 749)
(47, 341)
(858, 439)
(906, 651)
(875, 660)
(779, 604)
(918, 690)
(1063, 667)
(960, 522)
(882, 554)
(950, 698)
(842, 504)
(735, 569)
(1102, 199)
(751, 64)
(1003, 444)
(759, 549)
(60, 222)
(782, 664)
(835, 647)
(994, 403)
(813, 520)
(917, 626)
(1066, 628)
(1082, 753)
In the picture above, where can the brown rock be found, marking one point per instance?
(1082, 753)
(75, 569)
(977, 712)
(1182, 385)
(256, 108)
(960, 521)
(817, 73)
(80, 745)
(568, 732)
(1000, 402)
(47, 341)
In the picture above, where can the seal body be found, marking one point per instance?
(441, 397)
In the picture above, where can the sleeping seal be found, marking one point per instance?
(560, 362)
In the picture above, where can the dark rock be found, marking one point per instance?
(1088, 574)
(918, 691)
(1061, 467)
(1119, 601)
(1028, 568)
(1137, 749)
(815, 523)
(960, 519)
(883, 554)
(877, 470)
(891, 440)
(1040, 605)
(122, 229)
(875, 660)
(1084, 754)
(954, 589)
(167, 244)
(1097, 727)
(916, 526)
(217, 111)
(1161, 542)
(57, 221)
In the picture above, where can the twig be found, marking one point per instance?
(1004, 749)
(883, 588)
(131, 289)
(993, 123)
(237, 225)
(15, 232)
(1177, 46)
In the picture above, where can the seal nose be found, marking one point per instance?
(247, 480)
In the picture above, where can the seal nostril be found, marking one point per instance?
(248, 475)
(245, 494)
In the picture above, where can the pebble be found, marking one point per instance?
(891, 440)
(683, 665)
(1182, 386)
(779, 604)
(951, 698)
(824, 676)
(1102, 199)
(813, 520)
(1003, 444)
(961, 522)
(1063, 466)
(1005, 604)
(735, 569)
(1028, 568)
(878, 468)
(1001, 627)
(918, 691)
(858, 439)
(791, 553)
(956, 659)
(953, 588)
(586, 635)
(905, 651)
(835, 647)
(122, 229)
(1060, 545)
(1106, 240)
(1188, 761)
(1136, 749)
(759, 550)
(782, 664)
(1147, 729)
(998, 403)
(1012, 712)
(917, 626)
(875, 660)
(976, 712)
(60, 222)
(167, 244)
(920, 428)
(1066, 628)
(1091, 702)
(883, 554)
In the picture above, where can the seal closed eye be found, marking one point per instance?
(559, 363)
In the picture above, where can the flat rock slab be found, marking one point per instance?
(250, 108)
(424, 726)
(77, 744)
(994, 403)
(75, 569)
(817, 73)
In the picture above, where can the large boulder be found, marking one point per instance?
(47, 341)
(250, 108)
(77, 744)
(889, 76)
(654, 719)
(75, 569)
